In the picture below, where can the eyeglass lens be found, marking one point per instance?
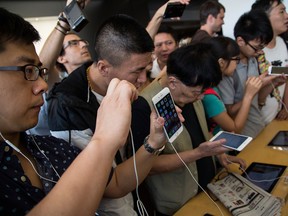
(75, 43)
(254, 48)
(32, 72)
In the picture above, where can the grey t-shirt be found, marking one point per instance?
(232, 90)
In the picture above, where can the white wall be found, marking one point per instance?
(234, 9)
(44, 26)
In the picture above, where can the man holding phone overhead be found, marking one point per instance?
(164, 37)
(174, 9)
(170, 183)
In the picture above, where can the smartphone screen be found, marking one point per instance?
(165, 108)
(233, 141)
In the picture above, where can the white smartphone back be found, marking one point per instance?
(233, 141)
(275, 70)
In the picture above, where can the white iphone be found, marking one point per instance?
(233, 141)
(165, 107)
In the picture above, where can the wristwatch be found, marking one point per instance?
(150, 149)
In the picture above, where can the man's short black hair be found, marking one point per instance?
(13, 28)
(121, 36)
(253, 25)
(194, 65)
(164, 28)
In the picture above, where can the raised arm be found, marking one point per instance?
(156, 20)
(51, 50)
(53, 45)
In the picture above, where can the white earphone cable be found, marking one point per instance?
(19, 151)
(140, 206)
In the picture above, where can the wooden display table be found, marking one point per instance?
(256, 151)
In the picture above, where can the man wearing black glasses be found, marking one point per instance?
(252, 32)
(73, 54)
(31, 165)
(61, 54)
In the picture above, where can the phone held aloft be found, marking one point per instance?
(165, 107)
(75, 16)
(174, 9)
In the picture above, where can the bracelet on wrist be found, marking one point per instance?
(64, 33)
(62, 18)
(63, 28)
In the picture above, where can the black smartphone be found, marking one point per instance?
(75, 16)
(174, 9)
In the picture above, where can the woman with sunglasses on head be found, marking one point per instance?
(227, 52)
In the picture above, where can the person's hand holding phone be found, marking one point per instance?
(157, 134)
(162, 9)
(211, 148)
(81, 3)
(266, 79)
(253, 85)
(175, 9)
(279, 80)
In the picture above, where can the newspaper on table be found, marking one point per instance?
(241, 197)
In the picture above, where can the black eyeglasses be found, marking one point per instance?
(237, 59)
(254, 48)
(75, 43)
(31, 72)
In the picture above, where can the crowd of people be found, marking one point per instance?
(85, 143)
